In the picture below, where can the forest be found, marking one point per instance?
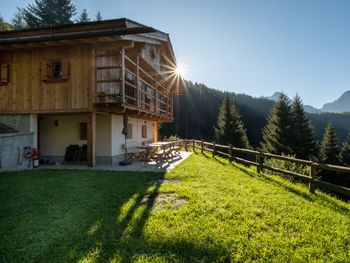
(196, 113)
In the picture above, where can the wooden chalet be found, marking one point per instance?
(71, 84)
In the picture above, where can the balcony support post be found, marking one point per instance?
(138, 92)
(123, 74)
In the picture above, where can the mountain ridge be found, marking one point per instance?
(340, 105)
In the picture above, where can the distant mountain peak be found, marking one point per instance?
(307, 108)
(275, 96)
(342, 104)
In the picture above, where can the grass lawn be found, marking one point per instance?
(208, 211)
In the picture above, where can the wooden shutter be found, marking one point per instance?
(49, 70)
(43, 70)
(4, 73)
(65, 69)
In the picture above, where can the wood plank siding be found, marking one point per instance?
(109, 66)
(27, 92)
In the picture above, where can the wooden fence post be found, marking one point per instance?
(194, 146)
(213, 149)
(202, 147)
(312, 175)
(230, 153)
(258, 168)
(186, 145)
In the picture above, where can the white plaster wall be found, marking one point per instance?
(109, 137)
(54, 140)
(33, 127)
(118, 137)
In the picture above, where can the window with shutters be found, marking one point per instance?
(4, 74)
(55, 70)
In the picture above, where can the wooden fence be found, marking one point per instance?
(229, 151)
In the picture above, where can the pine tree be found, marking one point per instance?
(230, 129)
(18, 20)
(329, 152)
(84, 17)
(345, 151)
(98, 16)
(277, 134)
(48, 13)
(303, 140)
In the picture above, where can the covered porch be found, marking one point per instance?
(89, 139)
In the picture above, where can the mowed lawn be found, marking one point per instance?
(206, 211)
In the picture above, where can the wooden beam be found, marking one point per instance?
(91, 139)
(36, 45)
(138, 92)
(155, 131)
(123, 74)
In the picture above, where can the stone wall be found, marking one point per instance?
(9, 144)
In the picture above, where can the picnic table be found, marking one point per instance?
(159, 150)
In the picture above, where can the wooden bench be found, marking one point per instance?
(177, 147)
(132, 150)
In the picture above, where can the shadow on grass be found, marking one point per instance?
(97, 216)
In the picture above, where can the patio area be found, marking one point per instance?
(162, 165)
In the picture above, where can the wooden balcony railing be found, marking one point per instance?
(119, 79)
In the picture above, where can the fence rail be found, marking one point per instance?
(260, 156)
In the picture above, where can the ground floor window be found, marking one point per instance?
(144, 131)
(129, 135)
(83, 131)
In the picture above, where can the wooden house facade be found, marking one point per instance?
(73, 83)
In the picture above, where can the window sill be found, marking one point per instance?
(55, 81)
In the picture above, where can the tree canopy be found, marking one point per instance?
(303, 142)
(229, 128)
(84, 17)
(277, 133)
(345, 151)
(44, 13)
(329, 152)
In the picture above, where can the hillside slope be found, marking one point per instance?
(207, 211)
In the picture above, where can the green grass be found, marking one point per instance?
(214, 212)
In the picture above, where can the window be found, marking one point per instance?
(144, 131)
(152, 54)
(54, 70)
(129, 135)
(83, 131)
(4, 73)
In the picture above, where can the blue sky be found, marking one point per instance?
(253, 47)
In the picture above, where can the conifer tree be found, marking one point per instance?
(18, 20)
(98, 16)
(230, 129)
(345, 151)
(84, 17)
(277, 133)
(329, 152)
(303, 137)
(48, 13)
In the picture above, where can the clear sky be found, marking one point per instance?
(253, 47)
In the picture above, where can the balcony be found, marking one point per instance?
(132, 84)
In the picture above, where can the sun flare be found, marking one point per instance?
(181, 69)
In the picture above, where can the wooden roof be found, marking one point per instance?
(89, 32)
